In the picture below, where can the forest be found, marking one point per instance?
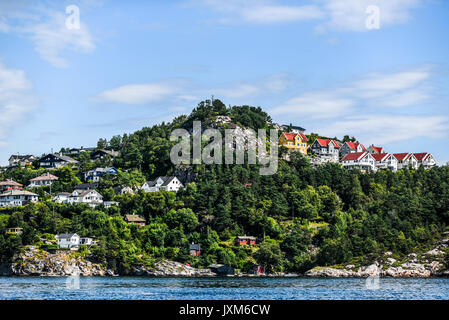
(303, 216)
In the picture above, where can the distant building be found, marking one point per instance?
(102, 153)
(96, 174)
(10, 184)
(123, 190)
(351, 147)
(221, 269)
(194, 250)
(14, 198)
(385, 161)
(91, 197)
(14, 230)
(135, 219)
(295, 129)
(375, 150)
(62, 197)
(245, 240)
(21, 160)
(363, 161)
(43, 180)
(425, 159)
(406, 160)
(169, 183)
(108, 204)
(326, 149)
(68, 241)
(56, 161)
(294, 141)
(87, 186)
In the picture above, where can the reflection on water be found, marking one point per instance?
(112, 288)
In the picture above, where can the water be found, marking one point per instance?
(139, 288)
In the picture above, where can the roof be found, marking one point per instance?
(292, 135)
(355, 156)
(64, 194)
(194, 246)
(112, 153)
(325, 142)
(381, 156)
(61, 157)
(246, 237)
(45, 176)
(87, 186)
(10, 182)
(293, 127)
(402, 156)
(66, 235)
(21, 157)
(18, 193)
(355, 145)
(166, 181)
(377, 149)
(422, 156)
(134, 218)
(82, 193)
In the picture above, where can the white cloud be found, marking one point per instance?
(332, 15)
(46, 28)
(316, 105)
(16, 101)
(376, 108)
(138, 93)
(387, 128)
(260, 11)
(350, 15)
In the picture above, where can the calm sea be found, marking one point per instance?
(118, 288)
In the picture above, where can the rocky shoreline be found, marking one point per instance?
(36, 262)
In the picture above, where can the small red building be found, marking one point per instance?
(257, 270)
(10, 184)
(194, 250)
(245, 240)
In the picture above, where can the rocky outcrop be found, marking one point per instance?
(424, 265)
(168, 268)
(36, 262)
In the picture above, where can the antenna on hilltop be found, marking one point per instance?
(212, 99)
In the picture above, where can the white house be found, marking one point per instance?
(385, 161)
(351, 147)
(326, 149)
(169, 183)
(375, 150)
(62, 197)
(406, 160)
(13, 198)
(91, 197)
(108, 204)
(56, 160)
(44, 180)
(68, 241)
(425, 159)
(363, 161)
(21, 160)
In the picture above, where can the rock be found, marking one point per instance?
(350, 266)
(388, 253)
(390, 261)
(434, 252)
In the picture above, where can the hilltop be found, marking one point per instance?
(303, 216)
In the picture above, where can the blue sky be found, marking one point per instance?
(137, 63)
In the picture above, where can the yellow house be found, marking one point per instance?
(294, 141)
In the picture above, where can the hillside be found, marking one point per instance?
(303, 216)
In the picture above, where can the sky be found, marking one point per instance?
(325, 65)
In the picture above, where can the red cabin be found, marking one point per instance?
(194, 250)
(245, 240)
